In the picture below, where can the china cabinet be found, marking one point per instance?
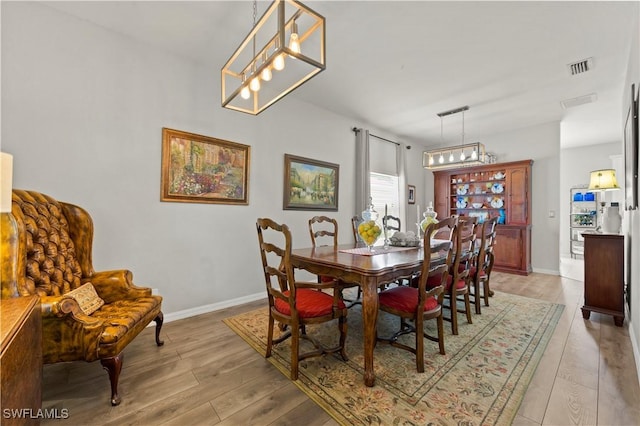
(501, 190)
(583, 217)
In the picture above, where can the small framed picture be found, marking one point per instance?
(412, 194)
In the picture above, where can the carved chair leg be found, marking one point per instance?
(113, 366)
(159, 320)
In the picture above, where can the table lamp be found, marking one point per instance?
(605, 180)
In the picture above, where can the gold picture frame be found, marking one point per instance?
(202, 169)
(310, 184)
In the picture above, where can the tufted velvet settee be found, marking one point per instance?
(46, 251)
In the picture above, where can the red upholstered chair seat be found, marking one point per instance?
(472, 271)
(310, 303)
(326, 279)
(405, 298)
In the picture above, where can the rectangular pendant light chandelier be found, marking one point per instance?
(467, 154)
(285, 48)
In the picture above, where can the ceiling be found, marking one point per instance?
(393, 65)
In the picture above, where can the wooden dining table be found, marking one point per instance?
(369, 272)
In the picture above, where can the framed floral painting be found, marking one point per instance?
(202, 169)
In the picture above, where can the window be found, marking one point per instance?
(384, 191)
(384, 182)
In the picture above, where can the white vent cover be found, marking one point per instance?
(580, 100)
(580, 66)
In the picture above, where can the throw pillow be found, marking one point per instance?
(87, 298)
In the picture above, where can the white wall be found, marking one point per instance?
(631, 219)
(541, 144)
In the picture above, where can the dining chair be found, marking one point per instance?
(417, 304)
(321, 229)
(481, 270)
(457, 283)
(391, 222)
(355, 220)
(465, 261)
(295, 303)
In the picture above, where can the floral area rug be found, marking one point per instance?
(480, 381)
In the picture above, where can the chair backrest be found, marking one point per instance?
(438, 252)
(391, 222)
(354, 227)
(53, 245)
(321, 229)
(465, 238)
(487, 240)
(275, 251)
(446, 230)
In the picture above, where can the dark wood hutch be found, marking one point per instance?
(499, 189)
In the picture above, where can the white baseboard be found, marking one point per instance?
(191, 312)
(545, 271)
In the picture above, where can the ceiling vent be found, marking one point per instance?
(580, 67)
(580, 100)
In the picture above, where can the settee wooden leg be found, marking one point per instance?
(159, 319)
(113, 366)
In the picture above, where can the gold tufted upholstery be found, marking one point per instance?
(46, 251)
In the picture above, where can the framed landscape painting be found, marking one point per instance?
(201, 169)
(310, 184)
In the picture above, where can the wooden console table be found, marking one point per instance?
(603, 276)
(21, 360)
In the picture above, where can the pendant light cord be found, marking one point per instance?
(255, 13)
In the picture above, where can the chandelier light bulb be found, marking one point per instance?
(245, 93)
(294, 41)
(441, 159)
(462, 156)
(474, 154)
(430, 160)
(451, 158)
(266, 74)
(278, 62)
(255, 84)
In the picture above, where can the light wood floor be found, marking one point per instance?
(206, 375)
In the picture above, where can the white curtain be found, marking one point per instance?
(364, 168)
(363, 191)
(401, 152)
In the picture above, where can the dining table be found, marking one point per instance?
(353, 264)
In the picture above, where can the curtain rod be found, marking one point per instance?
(356, 130)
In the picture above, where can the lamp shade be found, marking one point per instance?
(6, 181)
(603, 180)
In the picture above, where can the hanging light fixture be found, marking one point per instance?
(457, 155)
(285, 48)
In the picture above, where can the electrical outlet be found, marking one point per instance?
(552, 213)
(154, 291)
